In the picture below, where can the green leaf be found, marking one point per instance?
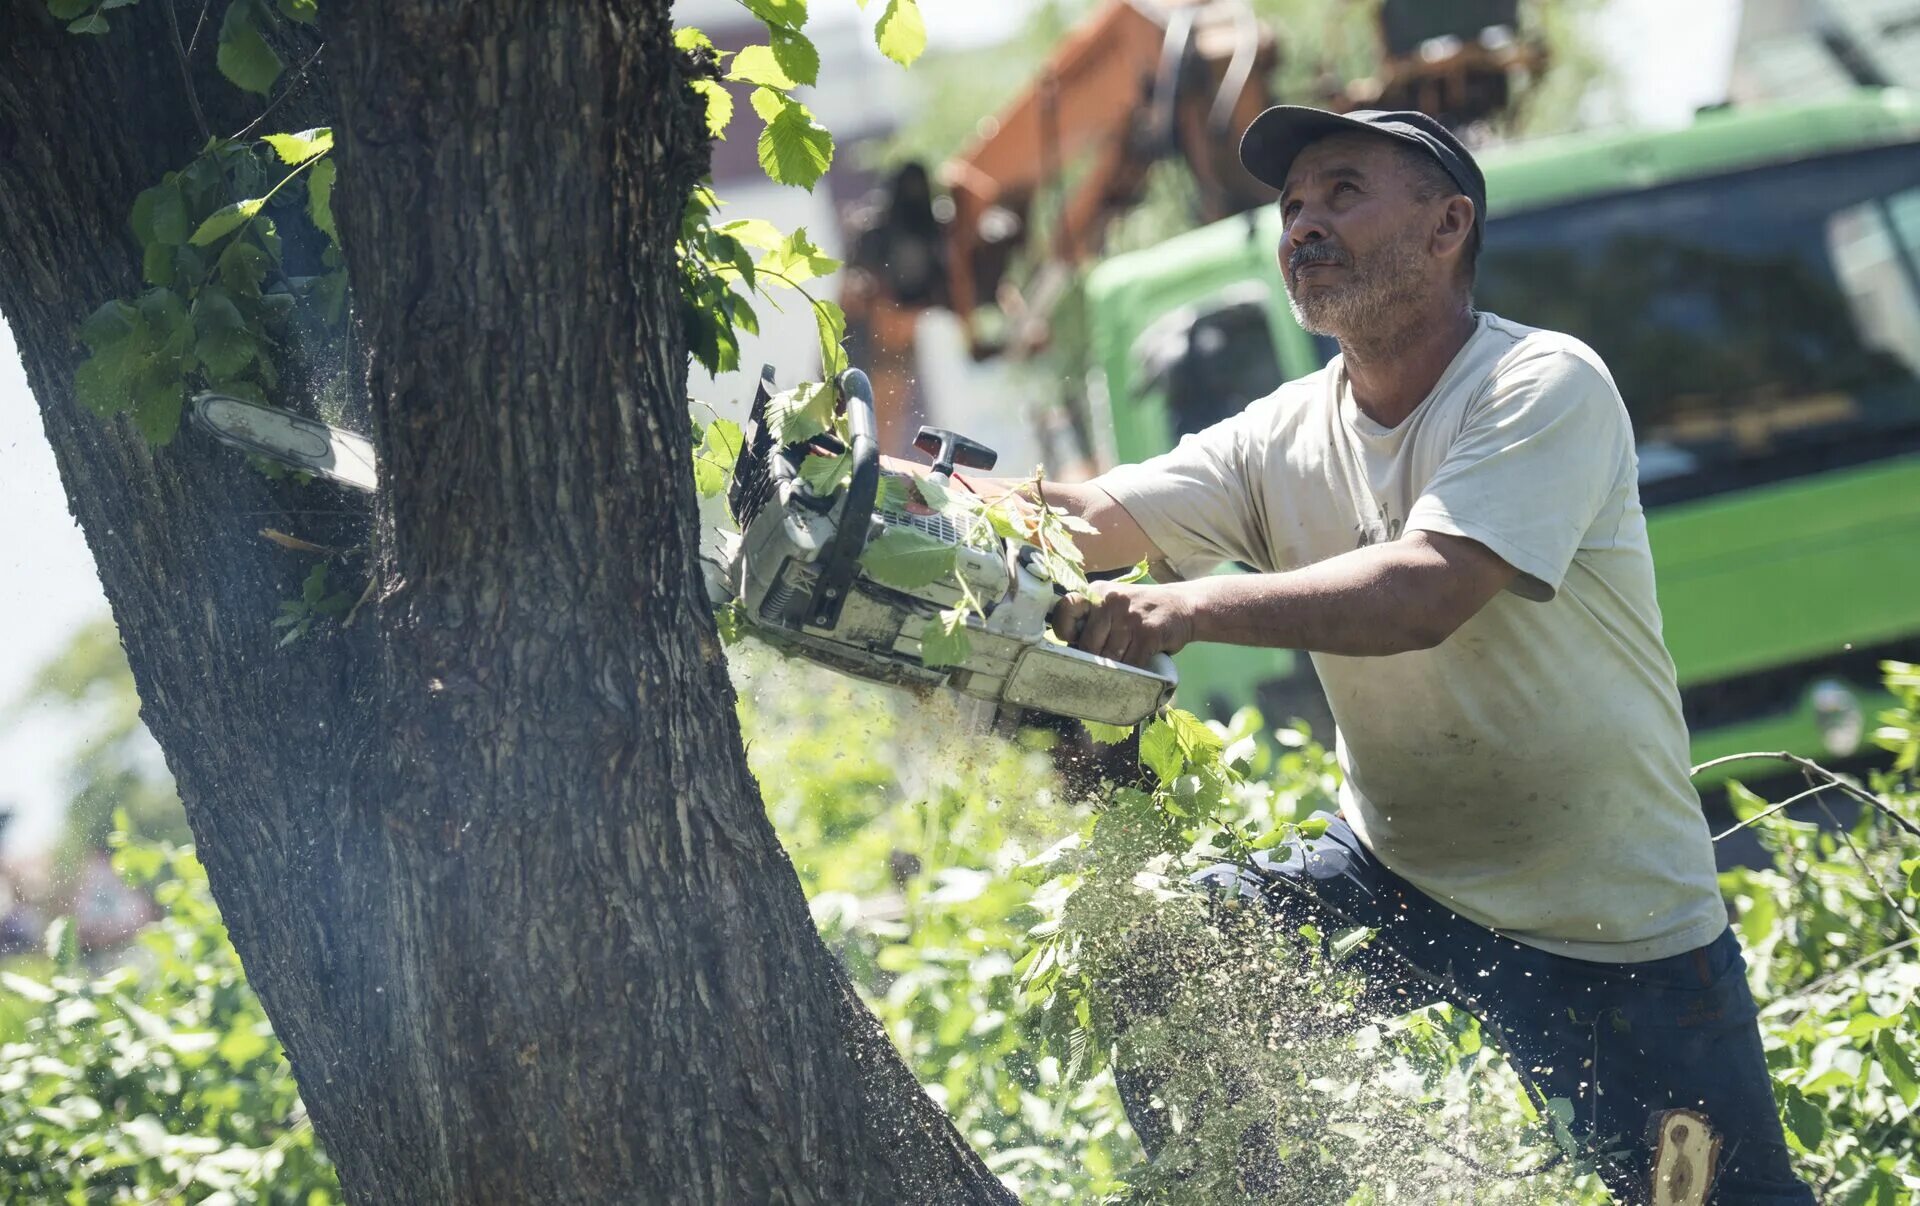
(320, 198)
(796, 260)
(794, 148)
(689, 38)
(714, 459)
(244, 56)
(831, 322)
(243, 1044)
(719, 106)
(901, 34)
(1346, 940)
(1898, 1065)
(825, 474)
(304, 11)
(1107, 734)
(298, 148)
(63, 943)
(160, 215)
(92, 23)
(754, 232)
(29, 989)
(158, 396)
(943, 640)
(759, 65)
(907, 559)
(121, 344)
(1198, 742)
(1313, 827)
(800, 413)
(242, 266)
(224, 342)
(169, 327)
(789, 13)
(1806, 1122)
(796, 54)
(67, 10)
(1160, 750)
(156, 264)
(108, 325)
(329, 293)
(225, 220)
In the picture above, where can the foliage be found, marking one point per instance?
(158, 1080)
(981, 907)
(1830, 934)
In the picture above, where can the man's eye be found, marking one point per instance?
(1289, 209)
(1349, 185)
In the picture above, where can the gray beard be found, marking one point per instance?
(1375, 301)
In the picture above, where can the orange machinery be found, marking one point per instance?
(1137, 81)
(1134, 83)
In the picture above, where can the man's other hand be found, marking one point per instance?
(1129, 623)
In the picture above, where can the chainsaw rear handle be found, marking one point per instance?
(841, 563)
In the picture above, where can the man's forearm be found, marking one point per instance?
(1386, 599)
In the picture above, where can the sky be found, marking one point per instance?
(1668, 58)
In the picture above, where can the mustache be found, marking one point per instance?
(1317, 253)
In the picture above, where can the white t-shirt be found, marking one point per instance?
(1530, 772)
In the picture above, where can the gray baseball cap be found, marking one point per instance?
(1279, 134)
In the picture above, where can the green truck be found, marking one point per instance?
(1753, 281)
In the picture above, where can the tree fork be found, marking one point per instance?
(492, 856)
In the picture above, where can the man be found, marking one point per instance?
(1447, 517)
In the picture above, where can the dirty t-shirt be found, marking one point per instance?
(1530, 772)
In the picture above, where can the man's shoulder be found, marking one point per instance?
(1295, 398)
(1520, 349)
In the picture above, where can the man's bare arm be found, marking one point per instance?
(1116, 541)
(1408, 594)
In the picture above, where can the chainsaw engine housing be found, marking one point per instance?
(795, 571)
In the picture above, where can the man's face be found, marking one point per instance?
(1356, 250)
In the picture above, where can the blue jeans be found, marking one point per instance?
(1621, 1041)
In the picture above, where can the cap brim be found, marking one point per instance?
(1279, 134)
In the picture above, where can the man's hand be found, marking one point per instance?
(1129, 623)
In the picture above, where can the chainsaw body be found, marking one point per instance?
(795, 571)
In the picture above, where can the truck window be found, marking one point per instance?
(1211, 359)
(1761, 326)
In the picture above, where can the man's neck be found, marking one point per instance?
(1392, 372)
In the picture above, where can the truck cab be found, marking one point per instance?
(1753, 282)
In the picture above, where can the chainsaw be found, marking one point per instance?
(794, 571)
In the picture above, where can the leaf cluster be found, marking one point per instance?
(157, 1080)
(222, 300)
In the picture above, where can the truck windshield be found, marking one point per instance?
(1761, 326)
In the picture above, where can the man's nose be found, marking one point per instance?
(1306, 227)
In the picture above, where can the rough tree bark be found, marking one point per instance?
(491, 856)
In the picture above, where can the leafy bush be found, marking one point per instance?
(159, 1080)
(942, 867)
(1831, 937)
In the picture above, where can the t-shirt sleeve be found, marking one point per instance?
(1196, 502)
(1533, 468)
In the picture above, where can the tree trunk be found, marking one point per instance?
(491, 855)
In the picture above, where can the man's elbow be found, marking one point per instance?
(1451, 579)
(1430, 630)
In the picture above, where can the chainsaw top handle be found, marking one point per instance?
(840, 564)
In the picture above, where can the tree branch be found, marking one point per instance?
(186, 71)
(1812, 767)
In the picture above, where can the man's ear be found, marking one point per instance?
(1455, 227)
